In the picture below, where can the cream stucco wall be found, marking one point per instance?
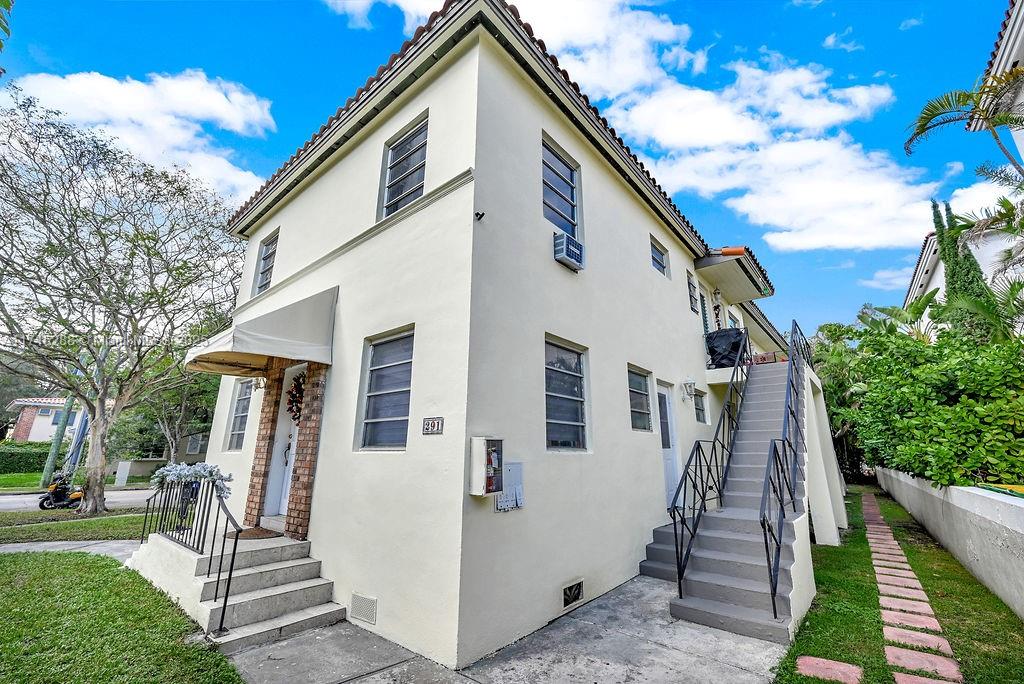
(43, 428)
(588, 514)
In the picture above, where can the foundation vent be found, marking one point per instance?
(364, 608)
(572, 593)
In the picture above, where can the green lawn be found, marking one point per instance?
(20, 480)
(11, 518)
(111, 526)
(845, 624)
(77, 617)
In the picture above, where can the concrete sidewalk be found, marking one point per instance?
(627, 635)
(121, 550)
(124, 498)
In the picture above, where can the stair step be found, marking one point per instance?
(661, 553)
(265, 604)
(745, 543)
(731, 618)
(745, 484)
(663, 535)
(746, 566)
(740, 591)
(288, 624)
(658, 570)
(262, 576)
(252, 552)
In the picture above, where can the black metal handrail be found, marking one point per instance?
(180, 511)
(783, 470)
(707, 468)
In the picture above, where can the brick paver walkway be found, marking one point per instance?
(915, 650)
(911, 627)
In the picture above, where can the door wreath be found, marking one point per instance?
(295, 395)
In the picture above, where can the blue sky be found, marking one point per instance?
(777, 124)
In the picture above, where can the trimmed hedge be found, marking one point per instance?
(25, 457)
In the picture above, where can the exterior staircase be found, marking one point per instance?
(726, 582)
(276, 588)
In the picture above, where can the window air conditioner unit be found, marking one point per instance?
(568, 251)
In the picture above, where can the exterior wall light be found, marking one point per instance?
(690, 387)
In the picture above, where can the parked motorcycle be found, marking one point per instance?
(60, 494)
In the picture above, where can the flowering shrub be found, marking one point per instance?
(196, 472)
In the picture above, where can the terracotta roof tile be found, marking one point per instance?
(999, 38)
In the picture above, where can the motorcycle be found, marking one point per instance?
(60, 494)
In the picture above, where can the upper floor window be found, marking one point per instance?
(405, 169)
(704, 313)
(560, 179)
(265, 266)
(659, 257)
(239, 415)
(388, 388)
(563, 396)
(639, 400)
(733, 321)
(57, 415)
(691, 286)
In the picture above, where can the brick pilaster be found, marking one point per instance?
(264, 450)
(300, 496)
(23, 428)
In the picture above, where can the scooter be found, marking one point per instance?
(60, 494)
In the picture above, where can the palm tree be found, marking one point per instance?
(990, 105)
(1004, 311)
(910, 321)
(1007, 217)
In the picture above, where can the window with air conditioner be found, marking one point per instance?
(565, 406)
(388, 389)
(405, 167)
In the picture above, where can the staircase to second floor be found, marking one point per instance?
(731, 565)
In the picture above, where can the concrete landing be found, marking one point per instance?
(627, 635)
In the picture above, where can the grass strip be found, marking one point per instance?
(78, 617)
(87, 529)
(12, 518)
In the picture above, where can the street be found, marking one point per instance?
(115, 499)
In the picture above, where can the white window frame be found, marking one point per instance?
(366, 393)
(235, 413)
(420, 123)
(733, 320)
(646, 392)
(661, 267)
(268, 250)
(582, 399)
(700, 405)
(44, 412)
(196, 442)
(694, 292)
(574, 182)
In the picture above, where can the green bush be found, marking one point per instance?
(25, 457)
(952, 411)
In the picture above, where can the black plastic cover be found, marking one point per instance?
(724, 347)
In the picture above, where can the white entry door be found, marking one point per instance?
(669, 451)
(289, 464)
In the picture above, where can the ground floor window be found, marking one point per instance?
(639, 400)
(388, 388)
(563, 396)
(240, 415)
(700, 406)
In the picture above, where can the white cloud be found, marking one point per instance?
(835, 41)
(843, 265)
(164, 118)
(807, 3)
(889, 279)
(910, 23)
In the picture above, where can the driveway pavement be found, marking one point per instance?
(627, 635)
(121, 550)
(126, 498)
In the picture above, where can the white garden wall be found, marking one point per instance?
(983, 529)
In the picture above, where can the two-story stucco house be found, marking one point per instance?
(466, 250)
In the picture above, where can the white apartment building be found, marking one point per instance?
(410, 264)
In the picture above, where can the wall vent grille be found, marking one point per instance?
(572, 593)
(364, 608)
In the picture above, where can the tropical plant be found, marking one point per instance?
(1006, 218)
(989, 105)
(963, 276)
(1003, 312)
(897, 319)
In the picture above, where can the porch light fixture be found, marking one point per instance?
(690, 387)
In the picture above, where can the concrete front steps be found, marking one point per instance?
(276, 588)
(726, 584)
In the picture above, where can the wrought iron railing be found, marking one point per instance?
(783, 471)
(702, 483)
(181, 512)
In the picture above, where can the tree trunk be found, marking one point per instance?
(1006, 152)
(95, 500)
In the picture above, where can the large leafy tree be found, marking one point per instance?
(107, 265)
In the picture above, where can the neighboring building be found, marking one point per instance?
(38, 418)
(467, 250)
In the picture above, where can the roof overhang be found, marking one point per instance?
(924, 268)
(762, 331)
(300, 331)
(736, 274)
(1008, 48)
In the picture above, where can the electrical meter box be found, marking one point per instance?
(485, 472)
